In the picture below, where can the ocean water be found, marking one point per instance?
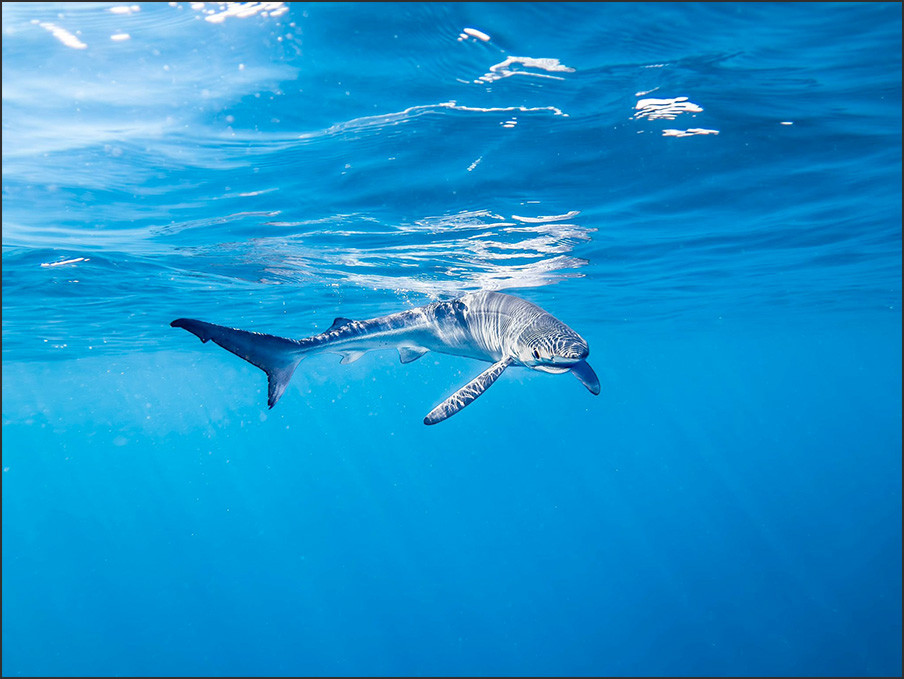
(709, 193)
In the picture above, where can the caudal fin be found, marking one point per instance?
(276, 356)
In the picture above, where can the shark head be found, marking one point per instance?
(549, 345)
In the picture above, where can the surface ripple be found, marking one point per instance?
(238, 162)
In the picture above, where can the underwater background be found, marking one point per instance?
(709, 193)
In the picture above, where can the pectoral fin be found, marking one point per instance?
(467, 393)
(588, 378)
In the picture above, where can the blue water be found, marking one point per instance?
(709, 193)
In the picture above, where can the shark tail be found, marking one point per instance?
(276, 356)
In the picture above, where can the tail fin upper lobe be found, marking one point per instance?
(276, 356)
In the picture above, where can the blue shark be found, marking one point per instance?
(500, 329)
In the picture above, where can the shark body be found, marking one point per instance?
(489, 326)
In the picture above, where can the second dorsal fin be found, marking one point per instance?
(409, 354)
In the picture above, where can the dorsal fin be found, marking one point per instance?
(338, 323)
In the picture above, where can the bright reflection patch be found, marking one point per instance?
(65, 261)
(465, 251)
(504, 69)
(473, 33)
(688, 133)
(665, 109)
(61, 34)
(546, 218)
(240, 10)
(389, 119)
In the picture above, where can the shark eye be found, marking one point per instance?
(536, 354)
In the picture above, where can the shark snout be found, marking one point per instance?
(576, 353)
(571, 355)
(581, 352)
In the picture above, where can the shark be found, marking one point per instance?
(494, 327)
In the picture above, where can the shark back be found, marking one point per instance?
(496, 321)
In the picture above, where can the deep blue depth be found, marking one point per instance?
(709, 193)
